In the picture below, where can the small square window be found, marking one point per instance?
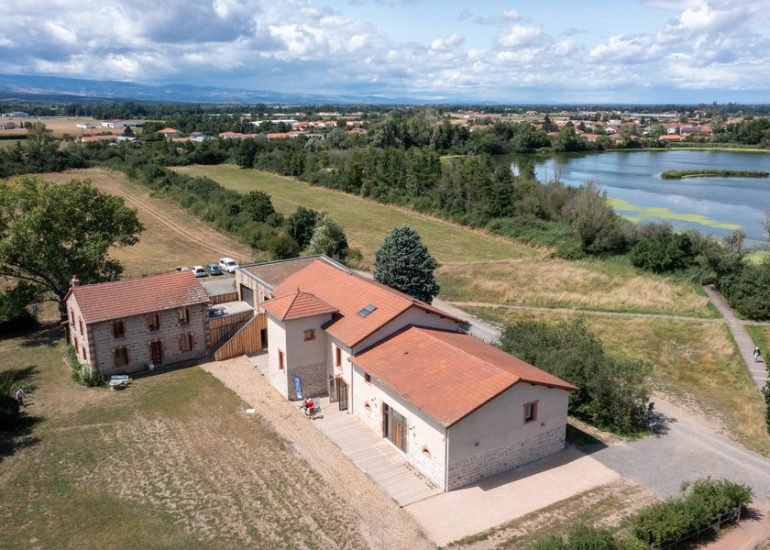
(530, 411)
(367, 378)
(280, 359)
(186, 342)
(337, 356)
(310, 334)
(118, 328)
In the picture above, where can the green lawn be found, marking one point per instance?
(694, 361)
(171, 462)
(366, 222)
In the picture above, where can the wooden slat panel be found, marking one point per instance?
(221, 298)
(246, 341)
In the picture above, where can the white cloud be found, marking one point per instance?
(518, 36)
(454, 39)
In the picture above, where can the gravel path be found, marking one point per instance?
(686, 449)
(742, 338)
(383, 522)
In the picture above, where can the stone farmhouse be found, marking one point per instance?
(125, 326)
(459, 409)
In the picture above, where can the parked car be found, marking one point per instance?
(214, 269)
(199, 271)
(182, 268)
(227, 265)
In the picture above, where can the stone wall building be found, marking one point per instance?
(457, 408)
(123, 327)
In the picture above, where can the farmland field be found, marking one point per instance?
(172, 236)
(476, 266)
(695, 361)
(367, 222)
(171, 462)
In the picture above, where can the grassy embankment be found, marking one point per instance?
(476, 266)
(696, 362)
(171, 462)
(703, 173)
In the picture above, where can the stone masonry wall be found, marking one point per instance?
(498, 460)
(138, 338)
(313, 379)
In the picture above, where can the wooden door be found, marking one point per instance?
(394, 427)
(156, 352)
(342, 394)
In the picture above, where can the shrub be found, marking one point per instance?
(612, 393)
(665, 251)
(700, 504)
(580, 537)
(82, 373)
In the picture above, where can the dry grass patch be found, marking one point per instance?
(366, 222)
(605, 507)
(172, 236)
(587, 284)
(697, 362)
(171, 462)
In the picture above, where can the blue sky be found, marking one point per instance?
(585, 51)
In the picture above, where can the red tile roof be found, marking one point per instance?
(118, 299)
(168, 131)
(350, 293)
(297, 306)
(447, 375)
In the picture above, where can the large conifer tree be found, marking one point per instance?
(404, 263)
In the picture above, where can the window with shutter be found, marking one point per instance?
(118, 328)
(184, 315)
(153, 321)
(121, 356)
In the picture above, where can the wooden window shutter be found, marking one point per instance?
(181, 342)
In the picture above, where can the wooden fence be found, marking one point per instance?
(247, 340)
(222, 298)
(221, 329)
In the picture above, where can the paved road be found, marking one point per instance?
(740, 334)
(686, 449)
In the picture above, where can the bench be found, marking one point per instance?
(119, 381)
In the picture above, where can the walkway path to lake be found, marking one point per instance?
(742, 338)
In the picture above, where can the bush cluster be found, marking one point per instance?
(82, 373)
(612, 393)
(665, 523)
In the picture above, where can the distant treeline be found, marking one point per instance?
(679, 174)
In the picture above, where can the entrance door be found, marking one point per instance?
(394, 427)
(263, 337)
(342, 394)
(156, 352)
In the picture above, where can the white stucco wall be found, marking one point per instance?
(422, 431)
(496, 438)
(276, 340)
(412, 316)
(306, 359)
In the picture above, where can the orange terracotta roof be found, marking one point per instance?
(447, 375)
(297, 306)
(350, 293)
(168, 131)
(118, 299)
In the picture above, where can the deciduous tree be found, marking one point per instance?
(50, 232)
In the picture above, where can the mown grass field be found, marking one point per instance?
(366, 222)
(171, 462)
(476, 266)
(696, 362)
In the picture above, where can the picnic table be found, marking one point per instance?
(119, 381)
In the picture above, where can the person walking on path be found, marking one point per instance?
(20, 397)
(757, 354)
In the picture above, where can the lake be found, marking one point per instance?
(633, 184)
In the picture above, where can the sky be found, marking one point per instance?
(570, 51)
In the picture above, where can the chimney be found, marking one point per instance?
(74, 281)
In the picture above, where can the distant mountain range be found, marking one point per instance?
(51, 88)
